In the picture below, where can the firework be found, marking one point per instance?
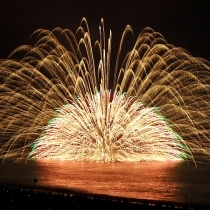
(120, 130)
(60, 102)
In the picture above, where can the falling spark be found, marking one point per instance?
(60, 101)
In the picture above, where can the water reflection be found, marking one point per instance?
(160, 181)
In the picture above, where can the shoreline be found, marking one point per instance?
(137, 201)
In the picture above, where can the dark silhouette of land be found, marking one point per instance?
(13, 197)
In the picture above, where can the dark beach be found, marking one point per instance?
(41, 197)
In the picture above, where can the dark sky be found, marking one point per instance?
(183, 23)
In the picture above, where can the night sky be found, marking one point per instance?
(183, 23)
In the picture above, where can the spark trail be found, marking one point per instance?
(61, 102)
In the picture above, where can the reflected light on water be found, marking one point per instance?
(169, 181)
(152, 181)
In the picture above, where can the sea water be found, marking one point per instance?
(170, 181)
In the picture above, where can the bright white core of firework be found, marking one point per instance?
(109, 127)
